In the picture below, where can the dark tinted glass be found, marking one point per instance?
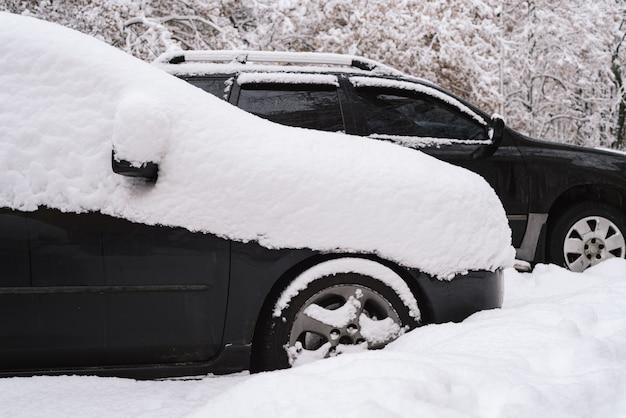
(399, 113)
(214, 85)
(301, 106)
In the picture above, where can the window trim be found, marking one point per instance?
(419, 142)
(287, 86)
(287, 78)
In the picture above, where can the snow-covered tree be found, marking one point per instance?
(558, 80)
(553, 68)
(453, 43)
(618, 70)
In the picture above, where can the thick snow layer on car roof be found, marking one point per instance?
(67, 98)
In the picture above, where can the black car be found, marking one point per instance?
(144, 230)
(94, 294)
(565, 204)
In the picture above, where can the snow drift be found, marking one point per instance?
(556, 349)
(62, 105)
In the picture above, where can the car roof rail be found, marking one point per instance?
(243, 57)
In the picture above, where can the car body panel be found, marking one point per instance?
(126, 314)
(102, 290)
(555, 168)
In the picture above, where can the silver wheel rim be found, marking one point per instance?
(590, 241)
(339, 319)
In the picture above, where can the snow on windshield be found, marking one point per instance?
(221, 170)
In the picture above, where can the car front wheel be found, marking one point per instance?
(587, 234)
(334, 314)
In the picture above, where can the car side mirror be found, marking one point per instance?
(141, 133)
(147, 170)
(497, 124)
(497, 133)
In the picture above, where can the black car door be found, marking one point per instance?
(53, 318)
(168, 292)
(418, 120)
(17, 304)
(100, 290)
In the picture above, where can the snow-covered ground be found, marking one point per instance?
(556, 349)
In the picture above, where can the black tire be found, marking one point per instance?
(567, 219)
(269, 351)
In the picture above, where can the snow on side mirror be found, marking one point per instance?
(140, 136)
(147, 170)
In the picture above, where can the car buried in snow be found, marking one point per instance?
(565, 205)
(148, 229)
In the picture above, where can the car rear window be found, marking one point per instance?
(304, 106)
(217, 86)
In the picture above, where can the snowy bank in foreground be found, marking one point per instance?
(556, 349)
(66, 99)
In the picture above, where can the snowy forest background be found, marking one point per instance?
(554, 69)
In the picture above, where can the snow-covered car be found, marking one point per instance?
(149, 229)
(565, 205)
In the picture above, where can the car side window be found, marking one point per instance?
(217, 86)
(304, 106)
(401, 113)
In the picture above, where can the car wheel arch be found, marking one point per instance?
(290, 275)
(609, 194)
(605, 193)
